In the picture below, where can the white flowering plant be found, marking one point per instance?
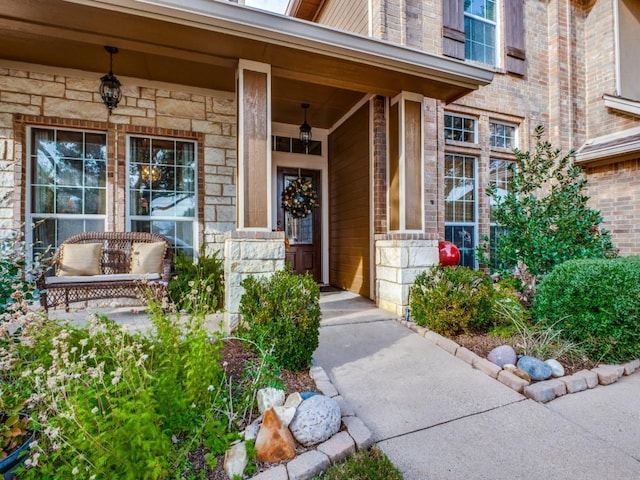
(106, 403)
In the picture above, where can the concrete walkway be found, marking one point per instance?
(437, 418)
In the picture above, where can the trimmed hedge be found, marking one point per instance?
(596, 303)
(284, 311)
(452, 300)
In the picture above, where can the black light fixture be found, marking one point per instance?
(305, 129)
(109, 84)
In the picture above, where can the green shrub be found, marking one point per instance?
(197, 287)
(544, 215)
(452, 300)
(284, 311)
(596, 303)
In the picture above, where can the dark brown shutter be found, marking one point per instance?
(514, 15)
(453, 28)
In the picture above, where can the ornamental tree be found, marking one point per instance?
(544, 218)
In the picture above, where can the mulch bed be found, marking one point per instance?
(482, 344)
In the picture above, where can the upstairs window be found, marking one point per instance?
(502, 135)
(480, 31)
(460, 129)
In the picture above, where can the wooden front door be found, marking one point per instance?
(304, 251)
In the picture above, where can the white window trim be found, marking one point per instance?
(475, 128)
(516, 138)
(497, 35)
(27, 185)
(127, 206)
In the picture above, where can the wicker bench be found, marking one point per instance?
(113, 275)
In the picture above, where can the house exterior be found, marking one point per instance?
(415, 106)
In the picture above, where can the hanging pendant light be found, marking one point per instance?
(305, 129)
(109, 84)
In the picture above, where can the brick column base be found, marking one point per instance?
(399, 259)
(248, 253)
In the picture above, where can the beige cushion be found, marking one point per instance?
(79, 259)
(147, 257)
(113, 277)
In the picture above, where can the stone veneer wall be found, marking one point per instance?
(248, 253)
(70, 99)
(399, 259)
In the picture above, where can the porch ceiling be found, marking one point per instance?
(198, 43)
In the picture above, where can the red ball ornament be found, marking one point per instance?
(448, 253)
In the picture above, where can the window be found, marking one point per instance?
(502, 135)
(459, 129)
(480, 30)
(460, 205)
(500, 175)
(162, 189)
(67, 177)
(294, 145)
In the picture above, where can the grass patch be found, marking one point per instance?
(364, 465)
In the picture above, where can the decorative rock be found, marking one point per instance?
(359, 432)
(316, 420)
(535, 368)
(274, 442)
(556, 367)
(306, 395)
(502, 355)
(269, 397)
(293, 400)
(251, 432)
(510, 367)
(285, 414)
(308, 465)
(235, 460)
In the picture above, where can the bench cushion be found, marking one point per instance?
(147, 257)
(80, 259)
(116, 277)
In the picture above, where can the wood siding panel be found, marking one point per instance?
(394, 167)
(349, 15)
(514, 13)
(349, 229)
(413, 165)
(255, 149)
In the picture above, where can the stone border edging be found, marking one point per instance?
(543, 391)
(344, 443)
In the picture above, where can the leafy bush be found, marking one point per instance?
(197, 287)
(282, 310)
(544, 216)
(594, 303)
(452, 300)
(17, 273)
(108, 404)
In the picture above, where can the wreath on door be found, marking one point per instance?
(300, 198)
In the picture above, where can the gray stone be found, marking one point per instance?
(466, 355)
(487, 367)
(308, 465)
(512, 381)
(535, 368)
(359, 432)
(608, 374)
(316, 420)
(293, 400)
(269, 397)
(327, 388)
(338, 447)
(251, 432)
(575, 383)
(590, 377)
(274, 473)
(285, 414)
(557, 370)
(540, 392)
(631, 366)
(235, 460)
(503, 355)
(448, 345)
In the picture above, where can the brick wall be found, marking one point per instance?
(65, 100)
